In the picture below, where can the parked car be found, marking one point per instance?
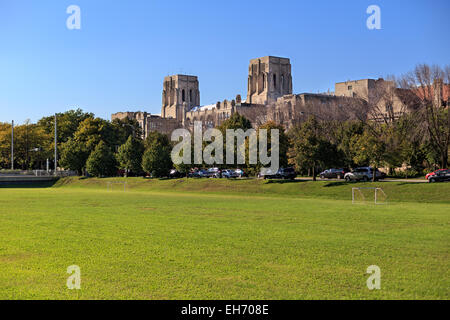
(282, 173)
(175, 174)
(433, 173)
(363, 174)
(213, 173)
(240, 173)
(229, 173)
(195, 174)
(333, 173)
(442, 175)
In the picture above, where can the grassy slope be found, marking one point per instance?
(199, 239)
(396, 191)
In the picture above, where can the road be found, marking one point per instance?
(383, 180)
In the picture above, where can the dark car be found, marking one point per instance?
(175, 174)
(333, 174)
(229, 173)
(282, 173)
(195, 174)
(287, 173)
(442, 175)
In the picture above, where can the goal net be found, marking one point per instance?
(117, 186)
(368, 195)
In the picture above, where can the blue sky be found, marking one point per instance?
(118, 60)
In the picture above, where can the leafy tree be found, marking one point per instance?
(5, 145)
(284, 142)
(236, 121)
(156, 159)
(182, 167)
(101, 161)
(67, 124)
(310, 149)
(75, 151)
(124, 128)
(93, 130)
(73, 156)
(31, 148)
(369, 150)
(345, 131)
(129, 156)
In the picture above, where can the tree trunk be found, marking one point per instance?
(314, 172)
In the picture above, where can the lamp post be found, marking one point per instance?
(12, 145)
(56, 144)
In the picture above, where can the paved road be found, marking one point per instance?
(383, 180)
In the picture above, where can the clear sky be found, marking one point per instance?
(119, 57)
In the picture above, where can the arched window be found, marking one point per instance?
(263, 81)
(275, 81)
(282, 82)
(183, 96)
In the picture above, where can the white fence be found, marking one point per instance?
(38, 173)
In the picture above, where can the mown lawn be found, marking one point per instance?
(217, 239)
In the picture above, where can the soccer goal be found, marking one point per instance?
(117, 185)
(369, 195)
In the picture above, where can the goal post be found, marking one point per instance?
(367, 195)
(122, 185)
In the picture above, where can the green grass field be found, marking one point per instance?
(218, 239)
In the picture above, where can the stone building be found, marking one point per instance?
(269, 98)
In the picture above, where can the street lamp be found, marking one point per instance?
(12, 145)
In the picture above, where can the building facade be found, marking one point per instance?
(269, 98)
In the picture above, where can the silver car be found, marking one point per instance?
(363, 174)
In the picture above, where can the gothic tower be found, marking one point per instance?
(268, 79)
(180, 94)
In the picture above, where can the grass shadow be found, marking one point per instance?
(338, 183)
(280, 181)
(28, 185)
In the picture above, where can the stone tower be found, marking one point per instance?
(268, 79)
(180, 94)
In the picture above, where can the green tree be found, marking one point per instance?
(93, 130)
(5, 145)
(67, 124)
(156, 159)
(345, 131)
(76, 150)
(310, 149)
(284, 142)
(124, 128)
(371, 150)
(101, 161)
(184, 168)
(235, 122)
(129, 156)
(73, 156)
